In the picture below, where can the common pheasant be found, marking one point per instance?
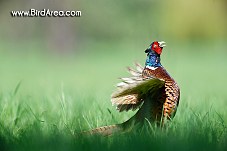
(151, 90)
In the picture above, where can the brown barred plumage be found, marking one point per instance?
(172, 91)
(151, 90)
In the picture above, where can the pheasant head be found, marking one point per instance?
(153, 54)
(156, 47)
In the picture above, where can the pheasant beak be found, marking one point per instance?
(162, 44)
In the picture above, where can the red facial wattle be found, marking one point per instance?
(155, 46)
(158, 50)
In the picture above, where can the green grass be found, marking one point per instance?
(45, 102)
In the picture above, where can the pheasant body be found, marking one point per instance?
(150, 89)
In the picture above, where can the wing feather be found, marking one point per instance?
(139, 68)
(129, 94)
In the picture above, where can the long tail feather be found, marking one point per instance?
(105, 130)
(134, 122)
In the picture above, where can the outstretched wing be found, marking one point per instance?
(132, 91)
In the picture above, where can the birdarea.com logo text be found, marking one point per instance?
(46, 13)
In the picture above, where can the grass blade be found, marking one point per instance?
(17, 88)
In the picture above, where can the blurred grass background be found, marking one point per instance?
(57, 74)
